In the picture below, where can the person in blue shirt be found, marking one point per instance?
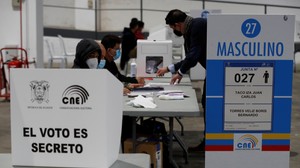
(194, 32)
(112, 45)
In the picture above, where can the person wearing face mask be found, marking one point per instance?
(194, 32)
(91, 55)
(112, 44)
(102, 62)
(88, 54)
(139, 33)
(102, 65)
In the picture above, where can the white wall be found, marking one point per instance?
(32, 28)
(10, 24)
(120, 16)
(114, 16)
(270, 2)
(84, 18)
(57, 16)
(34, 31)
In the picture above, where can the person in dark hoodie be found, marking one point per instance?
(88, 55)
(129, 42)
(91, 55)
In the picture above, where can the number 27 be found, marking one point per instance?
(250, 28)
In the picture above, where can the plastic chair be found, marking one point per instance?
(62, 58)
(63, 46)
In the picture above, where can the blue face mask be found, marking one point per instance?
(118, 54)
(101, 64)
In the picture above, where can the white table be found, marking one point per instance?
(124, 161)
(166, 108)
(185, 81)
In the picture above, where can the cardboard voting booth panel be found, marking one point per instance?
(249, 90)
(152, 55)
(65, 118)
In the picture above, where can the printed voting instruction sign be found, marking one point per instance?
(249, 90)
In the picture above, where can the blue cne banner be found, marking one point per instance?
(249, 90)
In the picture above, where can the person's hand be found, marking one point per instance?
(161, 71)
(176, 79)
(140, 80)
(126, 91)
(134, 85)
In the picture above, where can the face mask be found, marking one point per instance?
(118, 54)
(101, 64)
(92, 63)
(177, 33)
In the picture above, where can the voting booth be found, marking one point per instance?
(249, 90)
(152, 55)
(65, 117)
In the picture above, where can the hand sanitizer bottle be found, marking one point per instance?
(133, 68)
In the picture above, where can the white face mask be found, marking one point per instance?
(92, 63)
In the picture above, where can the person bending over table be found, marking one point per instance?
(194, 32)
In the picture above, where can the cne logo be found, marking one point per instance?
(247, 142)
(39, 91)
(75, 94)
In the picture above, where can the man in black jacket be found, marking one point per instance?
(112, 44)
(194, 31)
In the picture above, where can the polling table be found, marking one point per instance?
(188, 107)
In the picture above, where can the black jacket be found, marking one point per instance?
(83, 48)
(194, 45)
(112, 68)
(128, 43)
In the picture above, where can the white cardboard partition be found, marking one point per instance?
(152, 55)
(65, 118)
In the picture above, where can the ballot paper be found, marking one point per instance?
(157, 84)
(141, 101)
(165, 92)
(172, 96)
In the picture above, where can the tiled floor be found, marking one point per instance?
(192, 128)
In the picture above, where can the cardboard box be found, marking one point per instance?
(154, 149)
